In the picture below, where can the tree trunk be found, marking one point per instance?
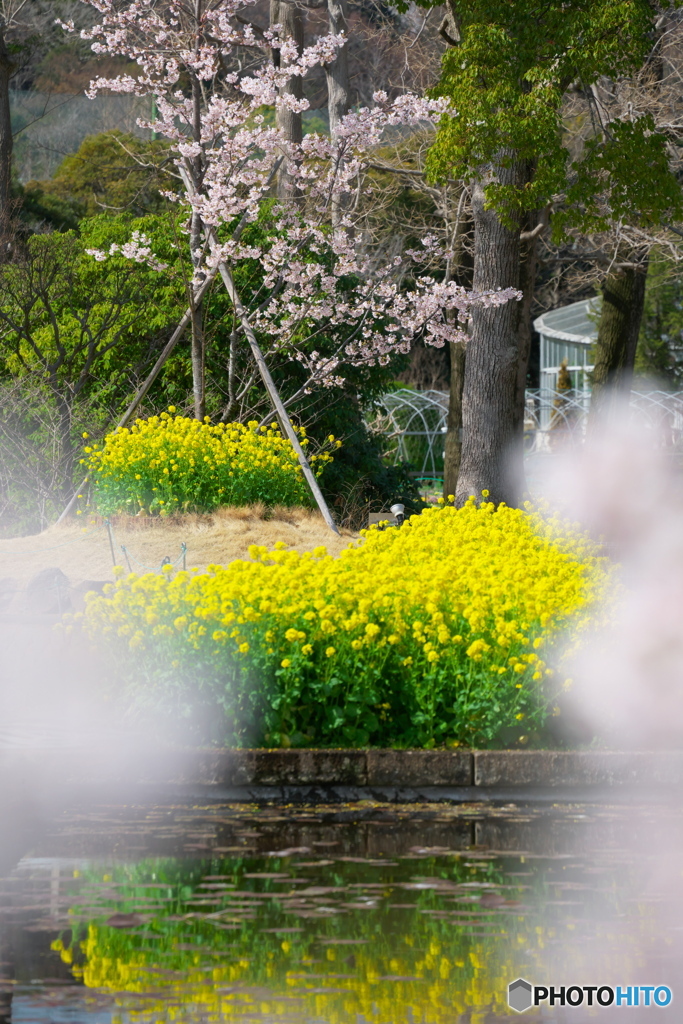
(492, 444)
(67, 456)
(230, 407)
(198, 355)
(459, 266)
(528, 265)
(337, 71)
(291, 21)
(623, 299)
(338, 93)
(453, 441)
(198, 362)
(6, 71)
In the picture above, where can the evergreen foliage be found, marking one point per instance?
(112, 172)
(660, 346)
(94, 328)
(507, 79)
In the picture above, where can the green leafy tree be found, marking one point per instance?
(506, 72)
(359, 476)
(114, 171)
(660, 344)
(27, 32)
(38, 211)
(80, 328)
(77, 336)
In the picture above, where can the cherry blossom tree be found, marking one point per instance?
(212, 78)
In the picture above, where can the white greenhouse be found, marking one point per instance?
(413, 423)
(568, 333)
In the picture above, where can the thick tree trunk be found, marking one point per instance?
(453, 440)
(338, 92)
(290, 17)
(492, 444)
(337, 71)
(459, 267)
(6, 72)
(623, 299)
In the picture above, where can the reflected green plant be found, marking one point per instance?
(221, 944)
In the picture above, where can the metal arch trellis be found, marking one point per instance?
(663, 414)
(551, 418)
(414, 422)
(414, 425)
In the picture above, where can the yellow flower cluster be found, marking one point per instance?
(430, 967)
(429, 634)
(434, 984)
(171, 463)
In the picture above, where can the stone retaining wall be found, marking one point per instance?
(333, 776)
(417, 768)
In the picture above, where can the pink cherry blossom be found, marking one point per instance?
(318, 281)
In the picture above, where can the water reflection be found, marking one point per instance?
(332, 915)
(6, 982)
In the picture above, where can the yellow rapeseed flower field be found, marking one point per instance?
(172, 463)
(432, 634)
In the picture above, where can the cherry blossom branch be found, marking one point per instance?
(314, 277)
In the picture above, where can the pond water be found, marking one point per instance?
(327, 915)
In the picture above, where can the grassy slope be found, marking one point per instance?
(80, 548)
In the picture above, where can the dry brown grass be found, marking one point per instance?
(81, 549)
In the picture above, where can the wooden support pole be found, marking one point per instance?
(169, 346)
(279, 408)
(268, 381)
(149, 380)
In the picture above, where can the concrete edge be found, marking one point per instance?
(329, 795)
(373, 770)
(416, 769)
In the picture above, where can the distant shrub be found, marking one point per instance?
(170, 463)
